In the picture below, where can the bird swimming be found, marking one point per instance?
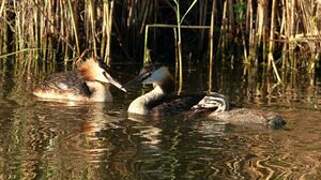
(162, 101)
(89, 83)
(246, 116)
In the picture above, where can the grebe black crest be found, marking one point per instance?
(90, 83)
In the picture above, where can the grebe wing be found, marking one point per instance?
(174, 104)
(66, 81)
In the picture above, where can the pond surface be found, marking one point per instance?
(48, 140)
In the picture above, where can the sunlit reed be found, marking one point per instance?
(55, 30)
(281, 35)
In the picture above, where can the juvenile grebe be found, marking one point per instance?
(162, 101)
(246, 116)
(233, 115)
(89, 83)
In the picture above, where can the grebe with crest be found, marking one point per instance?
(162, 100)
(89, 83)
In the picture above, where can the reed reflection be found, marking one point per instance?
(57, 140)
(98, 141)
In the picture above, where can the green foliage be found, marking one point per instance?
(239, 9)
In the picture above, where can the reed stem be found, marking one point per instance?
(179, 46)
(211, 33)
(74, 25)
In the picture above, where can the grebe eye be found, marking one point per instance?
(105, 74)
(145, 76)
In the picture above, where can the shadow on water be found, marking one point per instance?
(46, 140)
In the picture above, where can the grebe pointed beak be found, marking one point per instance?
(157, 75)
(114, 82)
(138, 79)
(149, 75)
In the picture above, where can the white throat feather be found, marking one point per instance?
(141, 104)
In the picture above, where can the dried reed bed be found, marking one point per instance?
(45, 29)
(281, 35)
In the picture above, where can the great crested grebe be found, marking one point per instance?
(162, 101)
(89, 83)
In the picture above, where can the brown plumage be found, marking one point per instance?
(89, 83)
(89, 69)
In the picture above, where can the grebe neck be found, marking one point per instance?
(99, 92)
(141, 104)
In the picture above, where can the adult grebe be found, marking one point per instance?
(162, 101)
(89, 83)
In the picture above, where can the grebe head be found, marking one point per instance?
(157, 76)
(215, 101)
(97, 70)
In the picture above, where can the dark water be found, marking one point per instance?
(46, 140)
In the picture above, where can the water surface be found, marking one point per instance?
(52, 140)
